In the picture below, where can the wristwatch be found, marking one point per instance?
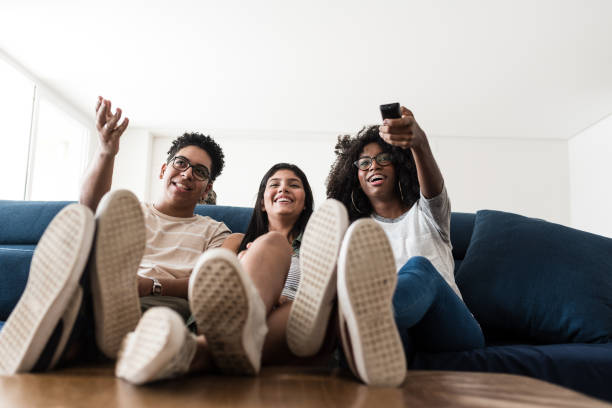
(157, 287)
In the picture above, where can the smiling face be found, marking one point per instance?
(377, 182)
(182, 190)
(284, 195)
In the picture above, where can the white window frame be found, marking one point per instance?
(42, 91)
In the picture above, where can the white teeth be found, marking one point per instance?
(182, 186)
(283, 200)
(375, 178)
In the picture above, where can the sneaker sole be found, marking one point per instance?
(346, 347)
(366, 283)
(57, 265)
(146, 351)
(68, 318)
(222, 299)
(314, 300)
(118, 249)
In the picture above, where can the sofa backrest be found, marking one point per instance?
(462, 226)
(22, 223)
(236, 218)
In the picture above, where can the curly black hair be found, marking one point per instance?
(205, 143)
(342, 181)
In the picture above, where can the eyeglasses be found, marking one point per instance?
(181, 163)
(365, 162)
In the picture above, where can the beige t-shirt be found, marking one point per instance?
(174, 244)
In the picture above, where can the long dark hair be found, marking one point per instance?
(342, 181)
(259, 220)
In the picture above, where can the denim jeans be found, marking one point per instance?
(429, 314)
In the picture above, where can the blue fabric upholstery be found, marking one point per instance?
(583, 367)
(462, 225)
(14, 268)
(236, 218)
(533, 281)
(23, 222)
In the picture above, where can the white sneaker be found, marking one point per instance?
(118, 249)
(316, 292)
(57, 266)
(366, 282)
(229, 312)
(160, 348)
(68, 319)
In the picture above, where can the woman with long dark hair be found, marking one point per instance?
(284, 205)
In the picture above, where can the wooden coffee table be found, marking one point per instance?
(284, 387)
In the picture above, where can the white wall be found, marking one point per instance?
(529, 177)
(590, 160)
(132, 163)
(248, 155)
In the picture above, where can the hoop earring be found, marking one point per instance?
(400, 189)
(354, 205)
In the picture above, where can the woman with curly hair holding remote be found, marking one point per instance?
(390, 183)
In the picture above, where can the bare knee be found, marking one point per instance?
(273, 241)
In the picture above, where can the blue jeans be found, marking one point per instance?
(429, 315)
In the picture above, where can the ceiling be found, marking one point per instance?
(475, 68)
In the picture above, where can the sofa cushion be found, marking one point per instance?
(14, 268)
(533, 281)
(236, 218)
(23, 222)
(461, 227)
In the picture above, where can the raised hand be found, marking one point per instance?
(109, 131)
(404, 132)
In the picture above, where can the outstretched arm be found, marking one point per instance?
(406, 133)
(99, 176)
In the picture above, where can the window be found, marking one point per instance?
(58, 153)
(16, 106)
(44, 148)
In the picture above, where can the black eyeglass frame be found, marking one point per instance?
(197, 168)
(377, 158)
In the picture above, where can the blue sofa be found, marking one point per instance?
(541, 292)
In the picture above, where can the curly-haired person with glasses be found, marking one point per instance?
(396, 266)
(155, 258)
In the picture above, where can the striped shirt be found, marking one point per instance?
(293, 276)
(174, 244)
